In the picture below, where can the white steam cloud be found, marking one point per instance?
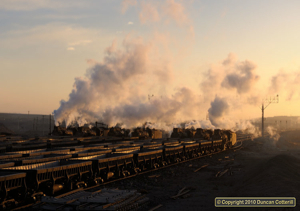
(287, 84)
(120, 88)
(218, 108)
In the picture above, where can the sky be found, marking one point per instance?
(103, 59)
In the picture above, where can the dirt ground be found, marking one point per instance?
(261, 168)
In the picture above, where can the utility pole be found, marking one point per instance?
(266, 101)
(43, 126)
(50, 125)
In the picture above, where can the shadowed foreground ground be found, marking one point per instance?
(262, 167)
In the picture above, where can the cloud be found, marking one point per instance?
(29, 5)
(52, 33)
(126, 4)
(130, 23)
(230, 77)
(80, 42)
(161, 11)
(243, 78)
(230, 60)
(287, 84)
(148, 13)
(176, 11)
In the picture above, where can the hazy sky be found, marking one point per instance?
(46, 44)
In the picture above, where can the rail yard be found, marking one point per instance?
(77, 170)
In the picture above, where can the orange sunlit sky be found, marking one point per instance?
(190, 55)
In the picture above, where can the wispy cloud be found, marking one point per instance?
(29, 5)
(70, 49)
(162, 11)
(61, 34)
(127, 3)
(130, 23)
(80, 42)
(148, 13)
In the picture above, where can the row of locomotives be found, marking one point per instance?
(118, 132)
(205, 134)
(198, 133)
(140, 133)
(183, 133)
(210, 140)
(73, 131)
(146, 133)
(98, 129)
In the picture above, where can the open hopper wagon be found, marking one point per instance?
(12, 187)
(110, 165)
(173, 154)
(191, 150)
(91, 152)
(52, 177)
(40, 159)
(149, 158)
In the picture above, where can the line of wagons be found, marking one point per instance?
(32, 174)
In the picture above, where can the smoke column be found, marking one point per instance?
(125, 87)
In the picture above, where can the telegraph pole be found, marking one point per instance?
(50, 125)
(268, 101)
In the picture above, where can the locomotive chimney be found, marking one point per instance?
(96, 124)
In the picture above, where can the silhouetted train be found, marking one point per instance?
(31, 174)
(141, 133)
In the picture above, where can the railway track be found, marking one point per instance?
(97, 188)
